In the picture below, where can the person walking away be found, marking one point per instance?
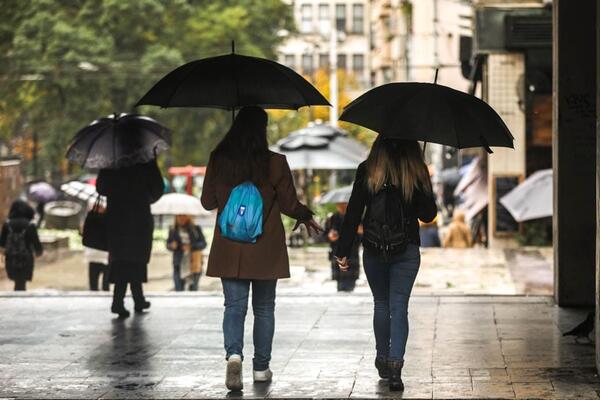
(458, 235)
(186, 241)
(243, 156)
(394, 186)
(429, 233)
(346, 282)
(20, 243)
(129, 192)
(97, 261)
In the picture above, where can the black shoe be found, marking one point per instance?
(395, 375)
(141, 306)
(382, 368)
(120, 309)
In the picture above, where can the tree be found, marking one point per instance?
(66, 63)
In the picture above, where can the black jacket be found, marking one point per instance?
(129, 192)
(197, 241)
(32, 242)
(422, 207)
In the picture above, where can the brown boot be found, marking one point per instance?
(395, 375)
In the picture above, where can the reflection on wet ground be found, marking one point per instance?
(460, 347)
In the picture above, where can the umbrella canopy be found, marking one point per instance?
(320, 146)
(178, 204)
(118, 141)
(532, 198)
(339, 195)
(431, 113)
(233, 81)
(83, 191)
(42, 192)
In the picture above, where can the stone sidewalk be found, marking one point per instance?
(460, 347)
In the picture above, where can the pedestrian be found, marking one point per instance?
(458, 235)
(129, 192)
(20, 243)
(394, 186)
(243, 156)
(186, 241)
(346, 282)
(429, 234)
(98, 270)
(97, 260)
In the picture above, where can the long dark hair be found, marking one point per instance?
(243, 154)
(20, 209)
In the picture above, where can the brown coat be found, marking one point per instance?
(458, 235)
(268, 257)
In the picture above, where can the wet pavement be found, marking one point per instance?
(460, 347)
(442, 272)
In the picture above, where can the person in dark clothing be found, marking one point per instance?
(396, 170)
(20, 243)
(185, 241)
(346, 282)
(129, 192)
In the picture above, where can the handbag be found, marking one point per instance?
(95, 234)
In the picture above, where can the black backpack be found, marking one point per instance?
(17, 253)
(384, 225)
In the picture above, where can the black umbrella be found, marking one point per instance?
(431, 113)
(118, 141)
(233, 81)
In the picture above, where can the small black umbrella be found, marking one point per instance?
(431, 113)
(233, 81)
(118, 141)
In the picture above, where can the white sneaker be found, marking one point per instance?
(233, 377)
(263, 376)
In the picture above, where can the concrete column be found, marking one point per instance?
(574, 151)
(597, 322)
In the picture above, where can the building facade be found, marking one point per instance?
(310, 49)
(411, 39)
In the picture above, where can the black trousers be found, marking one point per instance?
(121, 289)
(95, 271)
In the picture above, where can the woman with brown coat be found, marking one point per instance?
(243, 156)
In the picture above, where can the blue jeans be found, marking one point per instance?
(391, 282)
(236, 293)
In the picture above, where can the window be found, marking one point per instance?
(324, 61)
(306, 18)
(358, 63)
(341, 61)
(307, 64)
(340, 17)
(290, 61)
(358, 18)
(324, 19)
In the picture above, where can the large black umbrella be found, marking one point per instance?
(233, 81)
(118, 141)
(431, 113)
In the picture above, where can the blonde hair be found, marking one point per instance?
(399, 163)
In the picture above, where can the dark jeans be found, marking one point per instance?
(121, 288)
(95, 270)
(177, 280)
(236, 293)
(195, 277)
(391, 283)
(20, 284)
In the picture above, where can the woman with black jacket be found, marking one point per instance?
(129, 192)
(394, 187)
(20, 241)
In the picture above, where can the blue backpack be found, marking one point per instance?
(242, 218)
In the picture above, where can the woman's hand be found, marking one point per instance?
(172, 245)
(343, 263)
(311, 226)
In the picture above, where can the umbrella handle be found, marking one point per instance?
(424, 147)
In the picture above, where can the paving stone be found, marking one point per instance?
(459, 347)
